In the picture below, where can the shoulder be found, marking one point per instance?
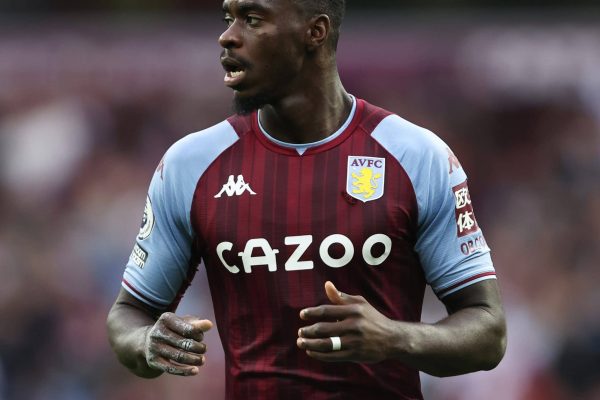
(201, 146)
(187, 160)
(419, 151)
(406, 140)
(431, 166)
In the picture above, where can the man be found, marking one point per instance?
(305, 187)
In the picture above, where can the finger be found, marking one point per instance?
(177, 324)
(323, 345)
(322, 330)
(199, 326)
(191, 345)
(164, 365)
(337, 297)
(334, 356)
(177, 355)
(165, 335)
(192, 328)
(329, 312)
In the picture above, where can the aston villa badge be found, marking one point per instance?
(365, 177)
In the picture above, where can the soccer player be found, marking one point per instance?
(320, 219)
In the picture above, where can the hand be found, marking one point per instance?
(366, 334)
(174, 344)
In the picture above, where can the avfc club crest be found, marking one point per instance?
(365, 177)
(147, 221)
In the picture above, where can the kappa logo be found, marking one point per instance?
(233, 187)
(452, 161)
(365, 177)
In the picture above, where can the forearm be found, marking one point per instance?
(469, 340)
(127, 331)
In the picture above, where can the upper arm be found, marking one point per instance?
(482, 300)
(485, 294)
(125, 299)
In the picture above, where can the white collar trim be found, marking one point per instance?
(302, 147)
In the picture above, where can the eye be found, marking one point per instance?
(228, 20)
(252, 20)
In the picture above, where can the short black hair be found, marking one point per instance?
(335, 9)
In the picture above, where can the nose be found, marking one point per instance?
(231, 37)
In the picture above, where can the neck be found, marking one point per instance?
(311, 113)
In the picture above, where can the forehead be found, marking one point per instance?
(257, 5)
(243, 4)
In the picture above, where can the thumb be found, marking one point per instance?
(333, 294)
(339, 298)
(199, 325)
(202, 324)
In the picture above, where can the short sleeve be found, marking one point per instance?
(162, 262)
(450, 244)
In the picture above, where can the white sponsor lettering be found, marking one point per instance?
(303, 243)
(336, 262)
(465, 221)
(233, 187)
(367, 250)
(267, 259)
(465, 218)
(226, 246)
(462, 197)
(293, 263)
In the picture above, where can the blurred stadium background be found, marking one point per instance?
(92, 94)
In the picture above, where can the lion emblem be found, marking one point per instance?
(365, 183)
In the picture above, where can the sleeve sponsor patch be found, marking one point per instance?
(473, 245)
(465, 216)
(138, 256)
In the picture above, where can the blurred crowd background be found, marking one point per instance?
(93, 93)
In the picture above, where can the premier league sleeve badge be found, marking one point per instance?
(147, 221)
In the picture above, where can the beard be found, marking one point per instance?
(247, 105)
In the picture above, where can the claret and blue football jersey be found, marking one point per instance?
(381, 208)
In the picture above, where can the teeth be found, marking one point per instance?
(235, 74)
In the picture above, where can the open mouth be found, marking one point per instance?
(234, 74)
(234, 71)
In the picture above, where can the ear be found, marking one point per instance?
(318, 31)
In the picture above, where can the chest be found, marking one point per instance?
(351, 204)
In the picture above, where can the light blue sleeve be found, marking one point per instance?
(451, 247)
(161, 259)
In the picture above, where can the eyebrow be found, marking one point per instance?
(245, 7)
